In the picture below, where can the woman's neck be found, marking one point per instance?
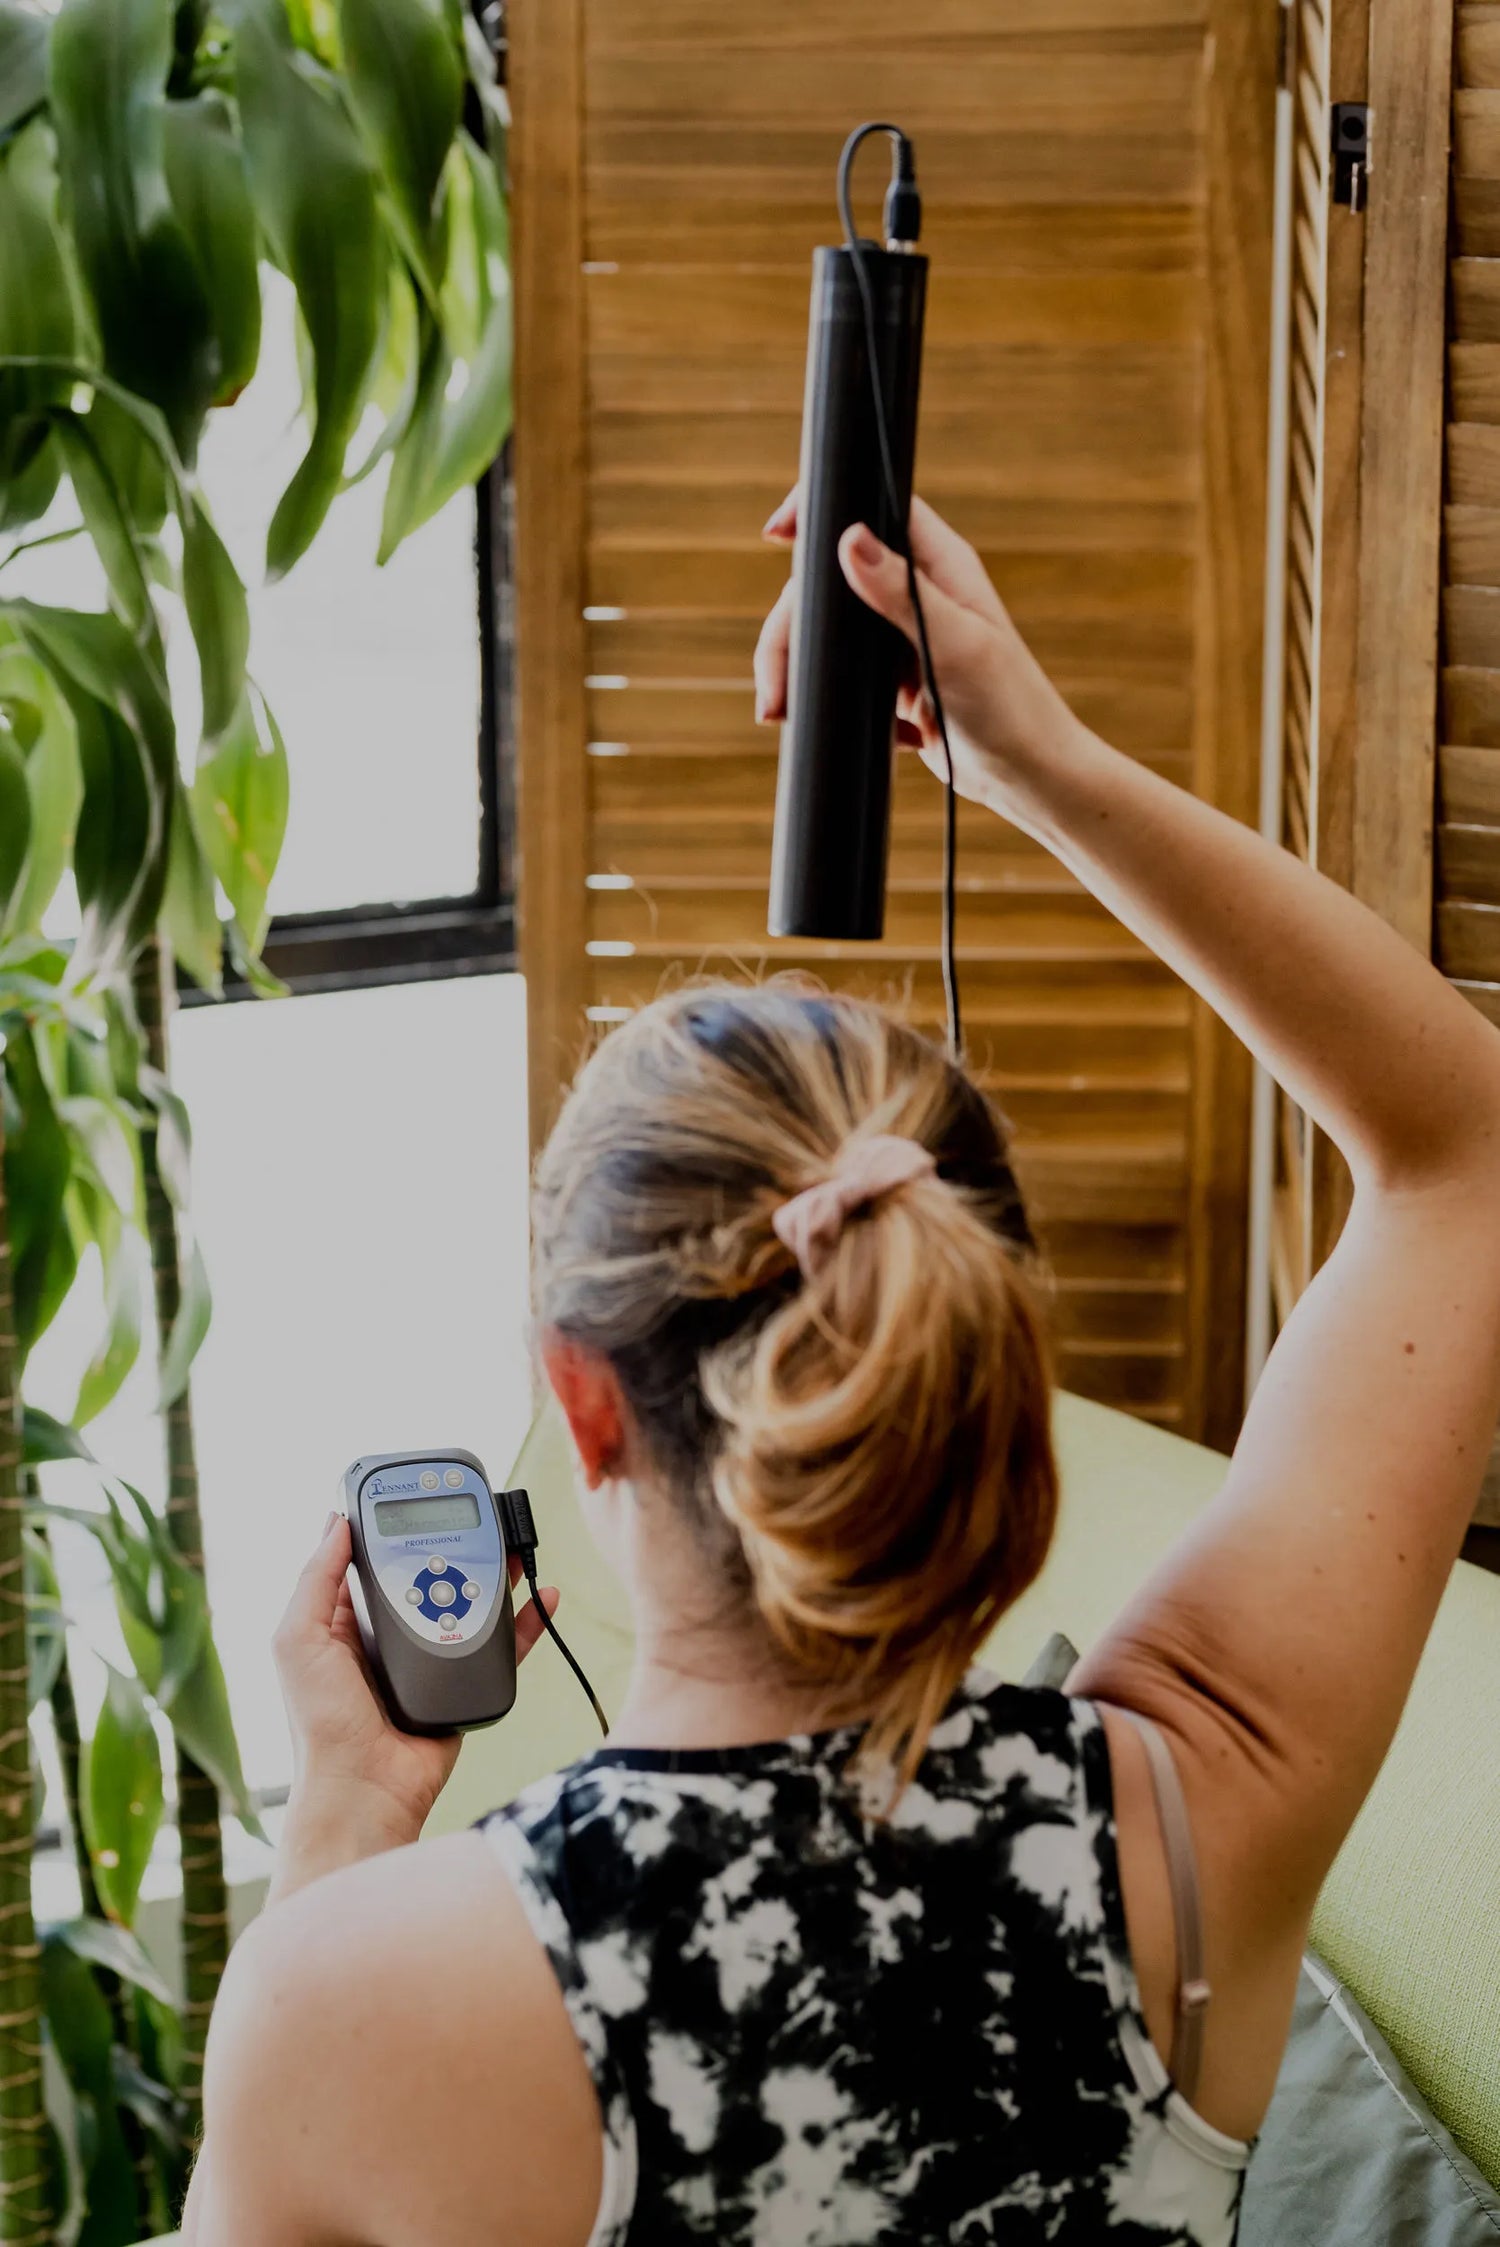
(691, 1690)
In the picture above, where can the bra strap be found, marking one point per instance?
(1193, 1991)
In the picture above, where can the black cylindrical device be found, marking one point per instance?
(833, 785)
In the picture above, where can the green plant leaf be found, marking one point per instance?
(220, 618)
(451, 441)
(107, 83)
(190, 908)
(127, 753)
(174, 1137)
(315, 195)
(249, 964)
(240, 796)
(46, 1625)
(405, 75)
(121, 1794)
(36, 310)
(15, 819)
(45, 1441)
(126, 1275)
(102, 1146)
(202, 1722)
(38, 1166)
(109, 526)
(178, 1602)
(211, 196)
(81, 2033)
(54, 784)
(104, 1943)
(167, 2118)
(194, 1316)
(23, 63)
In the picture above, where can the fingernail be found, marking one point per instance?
(772, 522)
(332, 1518)
(864, 545)
(760, 709)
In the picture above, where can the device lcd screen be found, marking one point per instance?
(404, 1517)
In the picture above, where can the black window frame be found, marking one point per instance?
(365, 946)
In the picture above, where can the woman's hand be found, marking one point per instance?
(360, 1785)
(1000, 704)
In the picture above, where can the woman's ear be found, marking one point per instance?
(586, 1387)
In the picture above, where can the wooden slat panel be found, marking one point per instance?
(1411, 76)
(998, 239)
(1105, 92)
(1476, 300)
(1151, 722)
(1474, 381)
(1468, 941)
(1469, 786)
(1131, 991)
(1476, 214)
(1004, 925)
(550, 536)
(788, 26)
(1476, 134)
(1472, 536)
(1473, 464)
(1019, 159)
(664, 311)
(1468, 863)
(1471, 707)
(1479, 44)
(1471, 625)
(1093, 416)
(1484, 996)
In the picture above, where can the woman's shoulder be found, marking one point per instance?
(408, 1983)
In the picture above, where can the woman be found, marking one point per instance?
(838, 1941)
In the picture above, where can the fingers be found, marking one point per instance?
(529, 1625)
(781, 524)
(771, 653)
(950, 561)
(314, 1603)
(879, 578)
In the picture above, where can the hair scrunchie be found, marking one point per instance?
(811, 1223)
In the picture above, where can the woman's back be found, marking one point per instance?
(811, 2028)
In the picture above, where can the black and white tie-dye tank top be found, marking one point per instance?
(808, 2028)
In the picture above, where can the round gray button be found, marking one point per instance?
(454, 1478)
(429, 1479)
(437, 1564)
(471, 1591)
(414, 1597)
(443, 1595)
(449, 1622)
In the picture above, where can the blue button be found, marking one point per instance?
(460, 1605)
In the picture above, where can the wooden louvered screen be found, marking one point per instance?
(1097, 182)
(1467, 888)
(1364, 411)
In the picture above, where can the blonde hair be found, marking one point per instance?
(867, 1453)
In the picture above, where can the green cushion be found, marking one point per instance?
(1410, 1917)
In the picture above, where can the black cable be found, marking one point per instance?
(903, 194)
(529, 1570)
(520, 1532)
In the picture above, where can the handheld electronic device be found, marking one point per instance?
(845, 663)
(432, 1546)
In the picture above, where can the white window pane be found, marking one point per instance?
(373, 673)
(360, 1181)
